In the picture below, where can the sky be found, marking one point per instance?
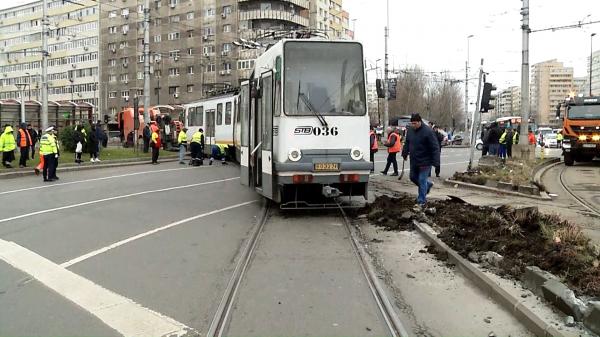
(433, 34)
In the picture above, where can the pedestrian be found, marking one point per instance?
(146, 137)
(559, 139)
(515, 137)
(502, 142)
(155, 143)
(78, 140)
(438, 135)
(183, 143)
(494, 139)
(24, 143)
(394, 145)
(423, 147)
(7, 146)
(197, 147)
(218, 151)
(509, 142)
(55, 135)
(93, 144)
(49, 151)
(102, 140)
(34, 139)
(374, 147)
(485, 135)
(531, 137)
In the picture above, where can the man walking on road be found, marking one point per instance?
(394, 145)
(422, 146)
(24, 142)
(182, 141)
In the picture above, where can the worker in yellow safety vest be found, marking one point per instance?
(7, 146)
(49, 149)
(218, 151)
(197, 148)
(182, 142)
(559, 139)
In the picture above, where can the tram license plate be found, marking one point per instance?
(589, 145)
(327, 167)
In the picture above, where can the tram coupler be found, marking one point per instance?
(330, 192)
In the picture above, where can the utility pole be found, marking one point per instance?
(146, 62)
(45, 25)
(467, 86)
(591, 56)
(476, 117)
(523, 135)
(386, 105)
(21, 87)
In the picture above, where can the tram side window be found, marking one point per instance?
(199, 116)
(220, 114)
(277, 108)
(228, 113)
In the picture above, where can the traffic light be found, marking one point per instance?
(391, 89)
(379, 87)
(487, 97)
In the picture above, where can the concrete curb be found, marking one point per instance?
(30, 171)
(540, 170)
(450, 182)
(511, 303)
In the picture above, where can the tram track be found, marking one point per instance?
(593, 210)
(223, 316)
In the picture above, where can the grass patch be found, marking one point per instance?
(513, 171)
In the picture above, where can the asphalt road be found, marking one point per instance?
(133, 250)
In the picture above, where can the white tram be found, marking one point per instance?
(304, 123)
(215, 116)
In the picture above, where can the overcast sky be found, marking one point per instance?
(433, 34)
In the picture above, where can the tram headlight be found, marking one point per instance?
(356, 153)
(294, 155)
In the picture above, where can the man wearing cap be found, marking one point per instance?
(7, 146)
(424, 150)
(49, 150)
(182, 141)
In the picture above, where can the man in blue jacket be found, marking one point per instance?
(423, 147)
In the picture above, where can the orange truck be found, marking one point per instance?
(581, 129)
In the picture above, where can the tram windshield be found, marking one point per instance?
(325, 78)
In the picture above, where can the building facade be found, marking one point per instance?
(330, 17)
(551, 82)
(73, 61)
(595, 75)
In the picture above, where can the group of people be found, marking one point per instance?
(218, 151)
(24, 139)
(90, 142)
(423, 146)
(498, 141)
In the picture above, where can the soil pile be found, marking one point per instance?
(524, 237)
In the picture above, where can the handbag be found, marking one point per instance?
(79, 147)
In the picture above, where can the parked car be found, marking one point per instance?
(479, 144)
(550, 140)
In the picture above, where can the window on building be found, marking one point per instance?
(174, 18)
(209, 49)
(157, 38)
(112, 78)
(112, 94)
(141, 58)
(226, 28)
(112, 62)
(173, 71)
(190, 51)
(157, 73)
(112, 30)
(173, 90)
(189, 16)
(190, 33)
(174, 55)
(211, 67)
(190, 88)
(125, 93)
(190, 70)
(174, 36)
(209, 12)
(112, 14)
(140, 75)
(227, 10)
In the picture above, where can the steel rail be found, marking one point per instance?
(383, 302)
(221, 318)
(577, 198)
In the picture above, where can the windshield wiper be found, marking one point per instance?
(310, 107)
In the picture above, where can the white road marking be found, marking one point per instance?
(142, 235)
(94, 179)
(116, 311)
(114, 198)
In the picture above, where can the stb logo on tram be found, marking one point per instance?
(316, 131)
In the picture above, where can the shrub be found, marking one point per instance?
(65, 137)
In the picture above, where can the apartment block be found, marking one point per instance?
(73, 63)
(551, 82)
(330, 17)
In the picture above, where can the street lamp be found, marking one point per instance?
(467, 84)
(591, 54)
(21, 87)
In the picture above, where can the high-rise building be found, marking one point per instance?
(330, 17)
(72, 46)
(509, 102)
(595, 74)
(194, 45)
(551, 82)
(581, 85)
